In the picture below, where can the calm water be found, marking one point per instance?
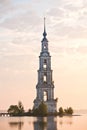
(50, 123)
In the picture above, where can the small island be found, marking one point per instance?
(18, 110)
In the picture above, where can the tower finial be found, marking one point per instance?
(44, 34)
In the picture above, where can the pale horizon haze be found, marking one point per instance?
(21, 32)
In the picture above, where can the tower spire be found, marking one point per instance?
(44, 33)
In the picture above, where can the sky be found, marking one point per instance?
(21, 29)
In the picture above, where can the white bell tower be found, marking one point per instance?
(45, 85)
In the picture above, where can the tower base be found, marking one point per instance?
(51, 105)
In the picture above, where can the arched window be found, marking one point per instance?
(45, 61)
(45, 64)
(45, 96)
(44, 78)
(44, 46)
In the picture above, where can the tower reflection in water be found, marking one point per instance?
(45, 123)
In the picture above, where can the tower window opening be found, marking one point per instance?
(45, 96)
(44, 46)
(44, 66)
(45, 61)
(44, 78)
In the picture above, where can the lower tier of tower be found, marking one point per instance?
(51, 105)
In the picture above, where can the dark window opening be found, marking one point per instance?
(45, 61)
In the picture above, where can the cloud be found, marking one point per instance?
(4, 2)
(23, 22)
(17, 15)
(5, 6)
(66, 22)
(69, 19)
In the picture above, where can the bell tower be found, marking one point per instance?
(45, 85)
